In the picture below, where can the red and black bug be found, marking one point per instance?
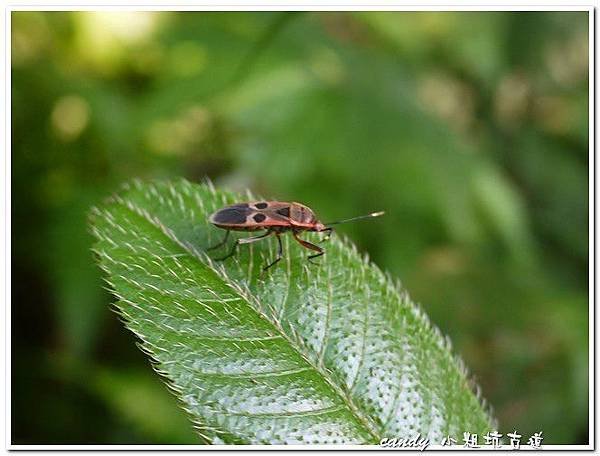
(275, 217)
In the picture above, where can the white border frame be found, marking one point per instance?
(269, 5)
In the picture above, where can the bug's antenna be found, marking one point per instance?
(360, 217)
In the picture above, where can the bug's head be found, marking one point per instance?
(320, 226)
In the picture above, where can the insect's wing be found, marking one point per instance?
(252, 215)
(268, 217)
(270, 213)
(278, 210)
(236, 214)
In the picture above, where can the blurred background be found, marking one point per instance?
(470, 129)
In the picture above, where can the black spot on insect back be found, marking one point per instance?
(285, 211)
(230, 215)
(261, 205)
(259, 218)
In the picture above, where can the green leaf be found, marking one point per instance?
(314, 354)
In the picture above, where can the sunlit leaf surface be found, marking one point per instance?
(328, 353)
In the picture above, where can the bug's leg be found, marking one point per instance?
(249, 240)
(231, 252)
(223, 242)
(243, 241)
(310, 246)
(279, 253)
(316, 255)
(328, 235)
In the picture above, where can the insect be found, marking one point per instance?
(275, 218)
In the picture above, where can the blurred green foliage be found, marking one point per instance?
(469, 129)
